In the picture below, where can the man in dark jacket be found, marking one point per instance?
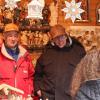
(55, 67)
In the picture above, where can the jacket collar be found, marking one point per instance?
(22, 52)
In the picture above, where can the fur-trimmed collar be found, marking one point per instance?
(22, 51)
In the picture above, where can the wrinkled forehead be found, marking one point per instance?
(10, 33)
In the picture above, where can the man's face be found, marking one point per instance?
(11, 38)
(60, 41)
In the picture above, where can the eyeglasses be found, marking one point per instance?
(61, 37)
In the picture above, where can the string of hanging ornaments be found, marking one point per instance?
(29, 15)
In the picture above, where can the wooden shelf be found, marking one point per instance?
(35, 28)
(32, 28)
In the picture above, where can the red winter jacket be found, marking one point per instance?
(18, 73)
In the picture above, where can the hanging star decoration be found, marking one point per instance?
(73, 10)
(11, 4)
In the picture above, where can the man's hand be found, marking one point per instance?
(39, 93)
(6, 87)
(29, 98)
(5, 90)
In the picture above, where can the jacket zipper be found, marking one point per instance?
(15, 81)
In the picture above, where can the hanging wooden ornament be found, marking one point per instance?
(73, 10)
(35, 9)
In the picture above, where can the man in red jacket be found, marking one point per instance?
(16, 67)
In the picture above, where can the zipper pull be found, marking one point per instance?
(15, 68)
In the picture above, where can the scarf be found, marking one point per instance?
(13, 52)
